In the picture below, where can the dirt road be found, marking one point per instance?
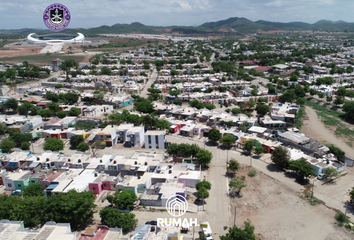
(315, 128)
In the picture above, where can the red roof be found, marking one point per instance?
(41, 103)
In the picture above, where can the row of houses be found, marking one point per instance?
(146, 174)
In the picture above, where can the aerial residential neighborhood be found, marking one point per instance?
(210, 132)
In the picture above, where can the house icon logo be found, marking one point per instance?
(176, 206)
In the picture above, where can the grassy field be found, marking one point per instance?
(41, 59)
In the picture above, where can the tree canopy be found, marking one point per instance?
(126, 198)
(302, 168)
(214, 135)
(227, 140)
(53, 144)
(203, 184)
(281, 156)
(235, 233)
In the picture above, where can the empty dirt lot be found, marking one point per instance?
(279, 213)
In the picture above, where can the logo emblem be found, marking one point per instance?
(56, 17)
(176, 206)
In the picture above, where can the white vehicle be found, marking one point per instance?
(208, 234)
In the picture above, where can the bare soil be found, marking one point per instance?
(314, 128)
(279, 213)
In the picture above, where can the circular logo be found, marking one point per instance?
(176, 205)
(56, 17)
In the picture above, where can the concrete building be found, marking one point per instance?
(155, 139)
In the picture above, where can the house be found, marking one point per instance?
(270, 123)
(9, 179)
(122, 132)
(135, 136)
(186, 131)
(49, 231)
(95, 111)
(101, 232)
(102, 182)
(82, 181)
(108, 135)
(155, 139)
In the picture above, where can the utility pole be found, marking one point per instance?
(235, 217)
(203, 201)
(313, 184)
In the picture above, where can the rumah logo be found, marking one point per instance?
(176, 206)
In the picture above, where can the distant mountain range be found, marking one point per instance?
(229, 26)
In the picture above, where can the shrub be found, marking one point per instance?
(341, 218)
(252, 173)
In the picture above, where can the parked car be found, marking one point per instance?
(321, 176)
(151, 223)
(16, 192)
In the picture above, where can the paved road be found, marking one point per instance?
(151, 80)
(217, 207)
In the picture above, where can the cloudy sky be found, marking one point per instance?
(16, 14)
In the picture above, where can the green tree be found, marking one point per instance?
(227, 140)
(259, 150)
(337, 152)
(210, 106)
(341, 91)
(74, 111)
(348, 108)
(281, 156)
(71, 207)
(204, 156)
(203, 184)
(175, 92)
(62, 114)
(126, 198)
(237, 184)
(320, 94)
(58, 85)
(45, 113)
(25, 146)
(110, 216)
(248, 146)
(233, 165)
(214, 135)
(177, 102)
(67, 65)
(75, 141)
(83, 147)
(235, 233)
(288, 96)
(202, 193)
(302, 168)
(33, 190)
(3, 129)
(11, 103)
(162, 124)
(331, 172)
(28, 209)
(300, 101)
(106, 71)
(54, 107)
(113, 217)
(196, 104)
(53, 144)
(144, 105)
(6, 145)
(262, 109)
(22, 110)
(19, 138)
(338, 101)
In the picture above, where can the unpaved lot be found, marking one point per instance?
(279, 213)
(314, 128)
